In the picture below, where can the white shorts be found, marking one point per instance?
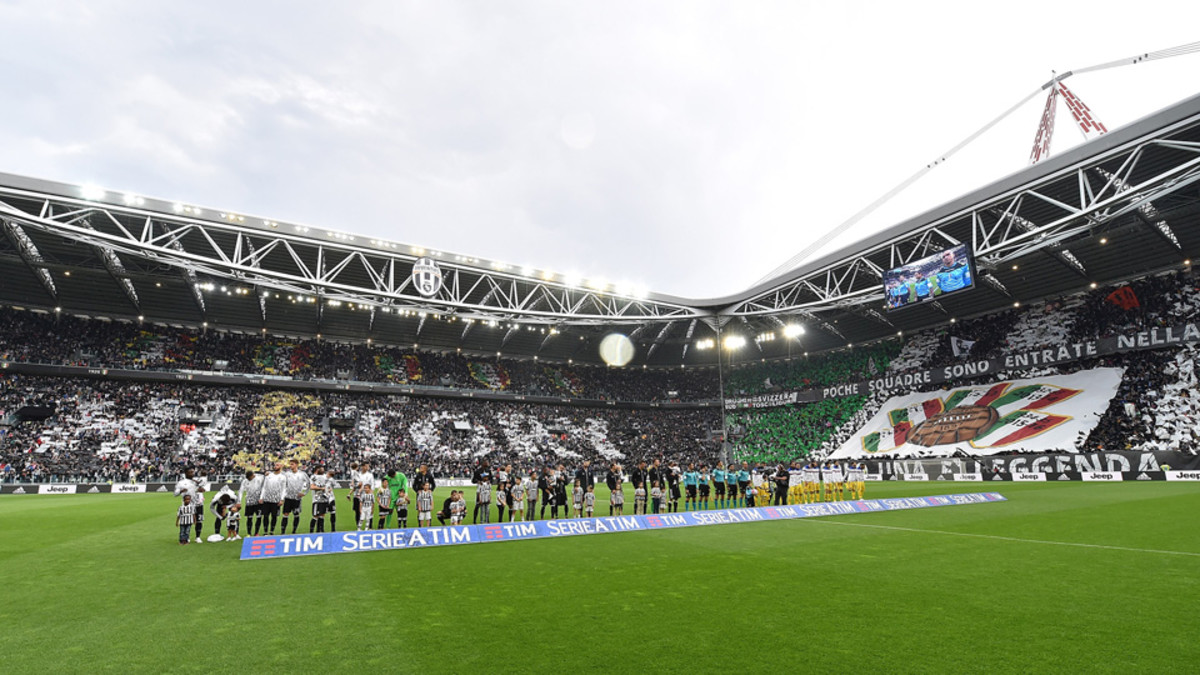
(519, 505)
(424, 515)
(455, 520)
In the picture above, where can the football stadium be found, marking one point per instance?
(230, 443)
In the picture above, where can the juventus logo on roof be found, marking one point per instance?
(427, 277)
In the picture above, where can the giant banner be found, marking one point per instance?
(1041, 414)
(257, 548)
(1152, 338)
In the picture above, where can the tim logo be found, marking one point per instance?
(261, 547)
(654, 521)
(427, 277)
(493, 532)
(772, 513)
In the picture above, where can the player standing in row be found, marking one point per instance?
(530, 484)
(795, 486)
(296, 484)
(857, 477)
(323, 502)
(718, 481)
(705, 488)
(674, 475)
(274, 485)
(250, 494)
(832, 476)
(691, 486)
(811, 487)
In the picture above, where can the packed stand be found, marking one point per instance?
(119, 431)
(66, 340)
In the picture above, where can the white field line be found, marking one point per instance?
(999, 538)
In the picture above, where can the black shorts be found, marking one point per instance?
(691, 492)
(675, 491)
(251, 510)
(320, 508)
(291, 507)
(704, 487)
(719, 488)
(269, 508)
(402, 514)
(731, 488)
(199, 513)
(331, 506)
(743, 485)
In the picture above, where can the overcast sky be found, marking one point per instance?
(690, 147)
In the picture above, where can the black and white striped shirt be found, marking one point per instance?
(425, 501)
(187, 514)
(484, 493)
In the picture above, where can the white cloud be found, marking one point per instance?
(690, 147)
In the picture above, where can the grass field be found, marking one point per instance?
(98, 583)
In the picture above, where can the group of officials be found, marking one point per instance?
(273, 500)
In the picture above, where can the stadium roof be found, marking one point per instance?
(1121, 206)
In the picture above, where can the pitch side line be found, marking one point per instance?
(1016, 539)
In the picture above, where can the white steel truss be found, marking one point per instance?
(337, 271)
(1044, 215)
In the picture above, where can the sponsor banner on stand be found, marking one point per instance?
(1104, 476)
(128, 488)
(968, 477)
(1030, 414)
(1024, 476)
(1183, 475)
(284, 546)
(57, 489)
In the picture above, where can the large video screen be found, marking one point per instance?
(930, 278)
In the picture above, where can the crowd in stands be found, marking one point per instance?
(786, 433)
(105, 430)
(845, 365)
(114, 431)
(67, 340)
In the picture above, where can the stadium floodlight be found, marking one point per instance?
(547, 276)
(734, 342)
(131, 199)
(92, 192)
(572, 279)
(598, 284)
(793, 330)
(707, 343)
(528, 271)
(177, 207)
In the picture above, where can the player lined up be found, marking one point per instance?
(380, 503)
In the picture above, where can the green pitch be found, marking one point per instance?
(98, 583)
